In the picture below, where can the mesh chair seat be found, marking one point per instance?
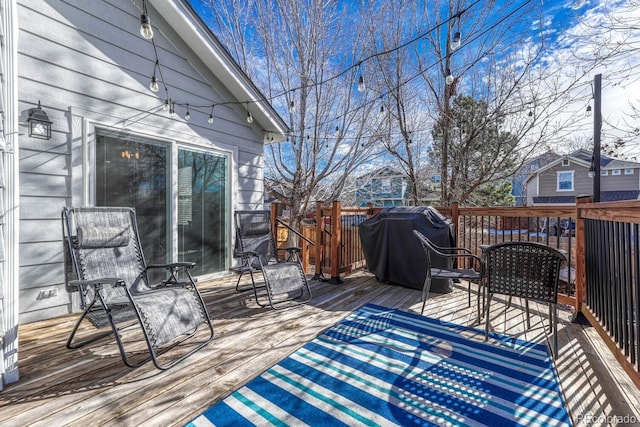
(106, 265)
(529, 270)
(284, 279)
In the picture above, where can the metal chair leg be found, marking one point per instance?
(425, 293)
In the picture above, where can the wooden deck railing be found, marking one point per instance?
(601, 242)
(554, 226)
(611, 259)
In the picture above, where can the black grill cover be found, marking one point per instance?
(394, 254)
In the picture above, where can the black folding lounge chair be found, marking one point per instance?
(473, 274)
(284, 279)
(103, 254)
(529, 270)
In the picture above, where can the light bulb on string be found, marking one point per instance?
(153, 86)
(292, 106)
(588, 110)
(210, 119)
(165, 107)
(382, 110)
(361, 86)
(249, 115)
(457, 40)
(448, 77)
(187, 116)
(172, 109)
(145, 27)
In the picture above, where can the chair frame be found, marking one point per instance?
(536, 288)
(455, 253)
(252, 261)
(133, 315)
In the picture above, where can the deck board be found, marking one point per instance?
(91, 386)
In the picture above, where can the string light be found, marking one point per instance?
(146, 31)
(457, 40)
(210, 120)
(249, 115)
(448, 77)
(187, 116)
(145, 26)
(153, 86)
(361, 86)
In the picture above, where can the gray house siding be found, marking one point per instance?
(549, 180)
(87, 64)
(612, 182)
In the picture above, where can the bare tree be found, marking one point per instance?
(402, 109)
(301, 52)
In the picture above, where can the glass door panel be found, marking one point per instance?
(202, 195)
(134, 173)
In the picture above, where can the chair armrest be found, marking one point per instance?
(75, 285)
(451, 249)
(247, 254)
(476, 258)
(172, 266)
(290, 249)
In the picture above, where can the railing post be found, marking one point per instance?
(455, 216)
(319, 241)
(274, 215)
(304, 248)
(273, 211)
(336, 241)
(581, 273)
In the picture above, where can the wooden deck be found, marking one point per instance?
(91, 386)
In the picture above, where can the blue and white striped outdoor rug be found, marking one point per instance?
(386, 367)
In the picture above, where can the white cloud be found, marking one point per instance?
(575, 58)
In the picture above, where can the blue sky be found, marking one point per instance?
(566, 37)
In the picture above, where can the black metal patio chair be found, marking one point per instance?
(528, 270)
(471, 275)
(106, 265)
(284, 279)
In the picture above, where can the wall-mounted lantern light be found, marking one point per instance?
(39, 123)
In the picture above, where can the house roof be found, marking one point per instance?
(189, 26)
(384, 171)
(605, 196)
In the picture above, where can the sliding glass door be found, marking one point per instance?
(202, 205)
(134, 173)
(137, 173)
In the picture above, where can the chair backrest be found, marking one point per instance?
(253, 233)
(104, 243)
(427, 246)
(526, 269)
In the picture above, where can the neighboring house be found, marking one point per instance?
(384, 187)
(113, 144)
(518, 180)
(387, 187)
(559, 182)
